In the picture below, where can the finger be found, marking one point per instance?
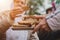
(46, 28)
(36, 29)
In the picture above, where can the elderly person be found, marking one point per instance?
(7, 19)
(50, 26)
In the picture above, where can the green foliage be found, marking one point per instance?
(33, 4)
(57, 1)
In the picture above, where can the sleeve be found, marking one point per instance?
(53, 21)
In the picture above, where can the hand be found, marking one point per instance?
(42, 26)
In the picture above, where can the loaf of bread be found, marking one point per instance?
(20, 25)
(25, 22)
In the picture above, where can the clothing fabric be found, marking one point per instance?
(52, 35)
(2, 36)
(53, 21)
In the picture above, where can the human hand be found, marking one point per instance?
(42, 26)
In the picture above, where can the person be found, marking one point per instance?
(50, 25)
(7, 18)
(42, 34)
(49, 10)
(6, 21)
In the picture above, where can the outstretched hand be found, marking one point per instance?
(42, 26)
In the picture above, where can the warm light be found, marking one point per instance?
(5, 5)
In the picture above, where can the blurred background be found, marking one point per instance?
(28, 7)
